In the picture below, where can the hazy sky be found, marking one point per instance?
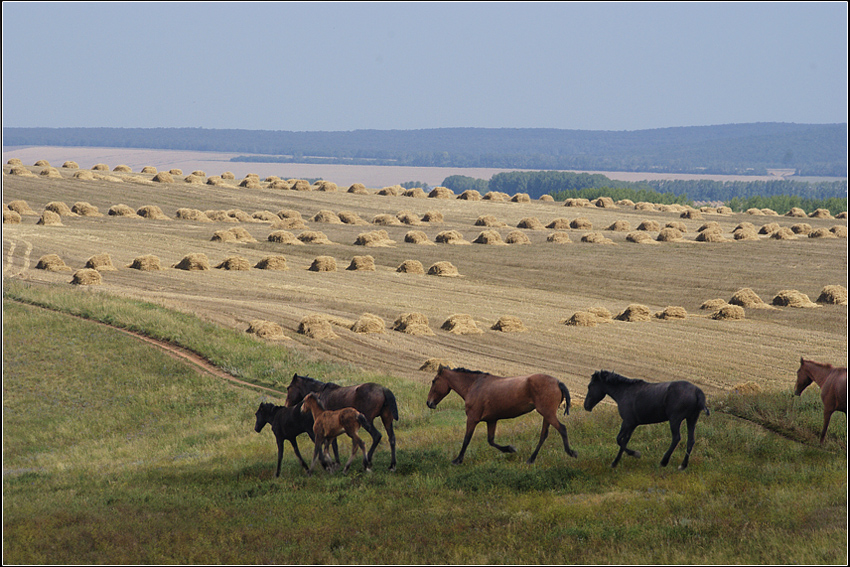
(347, 66)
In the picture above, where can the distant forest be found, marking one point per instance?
(741, 149)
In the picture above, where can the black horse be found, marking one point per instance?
(287, 424)
(370, 399)
(642, 402)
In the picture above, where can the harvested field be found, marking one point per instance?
(533, 287)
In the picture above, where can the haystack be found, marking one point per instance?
(729, 313)
(348, 217)
(284, 237)
(280, 184)
(175, 171)
(71, 165)
(803, 228)
(10, 216)
(559, 224)
(146, 263)
(434, 364)
(326, 216)
(577, 202)
(783, 233)
(391, 191)
(21, 171)
(489, 237)
(793, 298)
(668, 234)
(288, 224)
(417, 237)
(796, 212)
(639, 238)
(443, 269)
(582, 319)
(451, 237)
(219, 216)
(619, 226)
(362, 264)
(604, 203)
(713, 304)
(649, 225)
(151, 212)
(100, 167)
(327, 186)
(272, 263)
(548, 199)
(85, 209)
(314, 237)
(461, 324)
(236, 263)
(52, 263)
(415, 193)
(358, 189)
(323, 264)
(745, 233)
(49, 218)
(672, 312)
(50, 172)
(823, 233)
(149, 169)
(14, 161)
(411, 267)
(470, 195)
(385, 219)
(265, 329)
(769, 228)
(833, 295)
(59, 208)
(433, 217)
(746, 297)
(101, 263)
(264, 216)
(374, 238)
(163, 177)
(300, 185)
(408, 218)
(441, 193)
(634, 312)
(196, 215)
(122, 169)
(821, 214)
(517, 237)
(215, 180)
(369, 324)
(711, 235)
(691, 214)
(316, 327)
(489, 221)
(412, 324)
(21, 207)
(194, 179)
(197, 261)
(596, 238)
(581, 223)
(84, 174)
(509, 324)
(251, 183)
(532, 223)
(747, 388)
(559, 237)
(839, 231)
(86, 276)
(495, 196)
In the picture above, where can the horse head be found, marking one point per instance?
(804, 377)
(265, 413)
(595, 390)
(440, 388)
(297, 389)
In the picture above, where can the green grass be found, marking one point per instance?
(116, 453)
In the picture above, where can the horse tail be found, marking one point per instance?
(361, 419)
(389, 402)
(566, 395)
(701, 402)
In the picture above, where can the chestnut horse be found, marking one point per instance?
(833, 387)
(328, 425)
(491, 398)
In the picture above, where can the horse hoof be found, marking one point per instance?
(573, 454)
(682, 467)
(510, 449)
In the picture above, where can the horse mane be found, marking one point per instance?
(467, 371)
(317, 385)
(613, 378)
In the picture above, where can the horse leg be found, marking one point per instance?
(316, 452)
(560, 428)
(622, 440)
(491, 436)
(387, 420)
(470, 429)
(376, 438)
(692, 425)
(675, 429)
(827, 415)
(544, 433)
(279, 456)
(294, 443)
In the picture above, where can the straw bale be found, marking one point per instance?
(86, 276)
(300, 185)
(52, 263)
(434, 364)
(517, 237)
(532, 223)
(152, 212)
(745, 233)
(620, 226)
(14, 161)
(415, 192)
(823, 233)
(713, 304)
(746, 297)
(121, 210)
(793, 298)
(443, 269)
(668, 234)
(21, 171)
(146, 263)
(600, 312)
(711, 235)
(265, 329)
(374, 238)
(326, 216)
(42, 163)
(833, 294)
(358, 189)
(821, 214)
(11, 217)
(149, 169)
(596, 238)
(288, 224)
(234, 263)
(582, 319)
(509, 324)
(196, 261)
(369, 324)
(228, 175)
(272, 263)
(639, 238)
(548, 198)
(451, 237)
(49, 218)
(634, 312)
(163, 177)
(323, 264)
(84, 174)
(649, 225)
(490, 221)
(85, 209)
(470, 195)
(839, 231)
(59, 208)
(747, 388)
(559, 224)
(412, 324)
(289, 214)
(411, 267)
(495, 196)
(251, 183)
(51, 172)
(783, 233)
(264, 216)
(604, 203)
(691, 214)
(349, 217)
(219, 216)
(579, 202)
(21, 207)
(327, 186)
(101, 263)
(803, 228)
(280, 184)
(441, 193)
(581, 223)
(672, 312)
(433, 216)
(769, 212)
(122, 169)
(461, 324)
(100, 167)
(559, 237)
(314, 237)
(644, 206)
(489, 237)
(386, 220)
(796, 212)
(769, 228)
(362, 264)
(196, 215)
(316, 327)
(521, 198)
(408, 217)
(729, 313)
(284, 237)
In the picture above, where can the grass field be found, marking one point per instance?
(115, 451)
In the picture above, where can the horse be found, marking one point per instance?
(329, 424)
(833, 387)
(287, 424)
(490, 398)
(641, 403)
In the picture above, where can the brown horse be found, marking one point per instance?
(330, 424)
(491, 398)
(370, 399)
(833, 387)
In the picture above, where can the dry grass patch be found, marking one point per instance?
(196, 261)
(412, 324)
(146, 263)
(86, 276)
(101, 263)
(52, 263)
